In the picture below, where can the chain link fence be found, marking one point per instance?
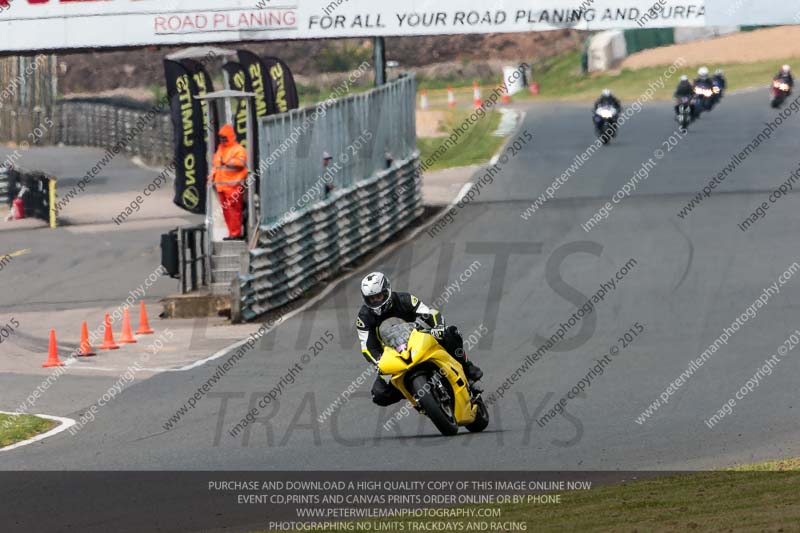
(310, 232)
(363, 134)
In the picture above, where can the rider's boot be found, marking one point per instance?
(454, 344)
(473, 372)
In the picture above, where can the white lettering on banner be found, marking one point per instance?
(57, 24)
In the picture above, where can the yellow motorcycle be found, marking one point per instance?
(430, 378)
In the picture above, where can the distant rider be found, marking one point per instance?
(785, 76)
(719, 78)
(685, 89)
(380, 304)
(703, 80)
(608, 99)
(702, 102)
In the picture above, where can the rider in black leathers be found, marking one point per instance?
(380, 304)
(608, 99)
(684, 89)
(785, 75)
(719, 77)
(702, 79)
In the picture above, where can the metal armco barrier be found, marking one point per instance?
(98, 122)
(5, 188)
(293, 257)
(104, 123)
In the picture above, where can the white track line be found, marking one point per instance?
(64, 424)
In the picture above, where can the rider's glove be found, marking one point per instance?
(438, 332)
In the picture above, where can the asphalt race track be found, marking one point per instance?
(691, 278)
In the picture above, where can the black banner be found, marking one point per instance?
(238, 81)
(284, 88)
(260, 83)
(191, 167)
(202, 85)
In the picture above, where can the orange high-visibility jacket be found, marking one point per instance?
(225, 179)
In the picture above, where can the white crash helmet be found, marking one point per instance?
(376, 292)
(684, 78)
(786, 69)
(702, 72)
(606, 92)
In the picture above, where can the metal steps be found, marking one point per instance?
(226, 263)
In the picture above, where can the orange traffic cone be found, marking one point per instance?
(476, 95)
(86, 348)
(108, 342)
(144, 325)
(423, 100)
(506, 98)
(52, 352)
(451, 97)
(127, 335)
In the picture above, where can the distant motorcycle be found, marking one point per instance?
(605, 119)
(780, 92)
(716, 92)
(702, 99)
(684, 111)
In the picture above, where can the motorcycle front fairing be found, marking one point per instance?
(422, 349)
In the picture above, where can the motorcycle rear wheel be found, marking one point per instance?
(605, 136)
(425, 390)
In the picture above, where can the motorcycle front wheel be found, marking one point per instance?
(436, 401)
(481, 419)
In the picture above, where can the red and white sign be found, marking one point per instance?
(59, 24)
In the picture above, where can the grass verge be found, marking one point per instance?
(560, 78)
(750, 498)
(14, 429)
(754, 499)
(474, 147)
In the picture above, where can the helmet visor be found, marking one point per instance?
(376, 300)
